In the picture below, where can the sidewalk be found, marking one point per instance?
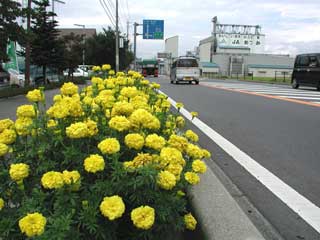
(219, 215)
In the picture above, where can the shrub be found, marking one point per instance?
(91, 168)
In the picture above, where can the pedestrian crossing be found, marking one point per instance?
(306, 94)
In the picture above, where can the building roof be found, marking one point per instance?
(233, 47)
(269, 66)
(209, 65)
(88, 32)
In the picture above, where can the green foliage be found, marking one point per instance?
(9, 28)
(101, 49)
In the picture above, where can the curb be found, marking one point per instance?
(220, 216)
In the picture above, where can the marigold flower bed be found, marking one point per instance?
(109, 162)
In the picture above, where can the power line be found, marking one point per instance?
(107, 11)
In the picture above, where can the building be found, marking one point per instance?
(87, 32)
(240, 50)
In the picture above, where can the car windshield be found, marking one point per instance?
(187, 63)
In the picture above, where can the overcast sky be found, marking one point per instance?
(290, 26)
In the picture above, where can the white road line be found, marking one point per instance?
(294, 200)
(308, 98)
(317, 102)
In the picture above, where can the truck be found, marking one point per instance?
(149, 67)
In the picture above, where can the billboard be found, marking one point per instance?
(153, 29)
(255, 42)
(13, 62)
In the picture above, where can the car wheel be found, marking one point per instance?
(197, 82)
(295, 83)
(176, 80)
(318, 88)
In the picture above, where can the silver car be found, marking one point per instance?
(185, 69)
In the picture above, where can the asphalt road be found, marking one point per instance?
(282, 136)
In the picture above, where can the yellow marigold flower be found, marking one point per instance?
(190, 221)
(178, 142)
(128, 165)
(155, 86)
(179, 105)
(87, 100)
(142, 159)
(129, 92)
(119, 123)
(106, 67)
(8, 136)
(106, 101)
(171, 155)
(194, 151)
(194, 114)
(52, 180)
(1, 203)
(23, 126)
(77, 130)
(134, 140)
(52, 123)
(96, 68)
(155, 142)
(142, 118)
(26, 111)
(192, 178)
(111, 72)
(199, 166)
(175, 169)
(3, 149)
(143, 217)
(68, 89)
(166, 180)
(33, 224)
(107, 113)
(180, 122)
(206, 153)
(122, 108)
(19, 171)
(71, 177)
(57, 98)
(94, 163)
(5, 124)
(112, 207)
(145, 82)
(92, 128)
(109, 146)
(120, 74)
(96, 80)
(35, 96)
(192, 136)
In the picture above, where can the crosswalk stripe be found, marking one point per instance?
(288, 93)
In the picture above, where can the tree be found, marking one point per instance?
(100, 49)
(9, 28)
(73, 46)
(44, 45)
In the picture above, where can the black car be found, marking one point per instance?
(4, 77)
(306, 71)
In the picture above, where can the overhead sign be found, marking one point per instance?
(153, 29)
(164, 55)
(11, 51)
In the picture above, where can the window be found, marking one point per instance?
(313, 61)
(187, 63)
(304, 61)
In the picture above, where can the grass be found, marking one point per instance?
(287, 80)
(15, 91)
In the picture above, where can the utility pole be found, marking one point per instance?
(117, 36)
(27, 63)
(135, 34)
(84, 42)
(128, 30)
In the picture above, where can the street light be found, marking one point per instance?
(58, 1)
(84, 43)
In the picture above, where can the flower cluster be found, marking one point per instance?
(108, 160)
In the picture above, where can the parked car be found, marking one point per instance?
(4, 78)
(185, 69)
(306, 71)
(37, 78)
(78, 72)
(16, 78)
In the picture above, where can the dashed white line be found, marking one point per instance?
(294, 200)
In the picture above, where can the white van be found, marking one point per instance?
(185, 69)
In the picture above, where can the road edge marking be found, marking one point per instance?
(294, 200)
